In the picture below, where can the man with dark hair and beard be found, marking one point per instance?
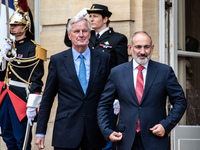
(142, 86)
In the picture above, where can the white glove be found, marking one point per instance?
(2, 61)
(30, 113)
(116, 106)
(6, 47)
(83, 12)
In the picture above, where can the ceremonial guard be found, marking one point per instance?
(20, 94)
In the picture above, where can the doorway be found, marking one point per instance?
(179, 38)
(186, 135)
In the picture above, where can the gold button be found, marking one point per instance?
(92, 47)
(102, 50)
(10, 72)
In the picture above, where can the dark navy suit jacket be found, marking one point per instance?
(76, 112)
(160, 83)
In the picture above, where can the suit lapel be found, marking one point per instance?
(128, 75)
(69, 64)
(94, 66)
(152, 71)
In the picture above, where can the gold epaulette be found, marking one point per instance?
(40, 52)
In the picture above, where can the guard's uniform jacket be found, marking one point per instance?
(18, 95)
(111, 42)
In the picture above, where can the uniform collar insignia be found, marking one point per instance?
(22, 41)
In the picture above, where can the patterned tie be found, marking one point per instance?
(139, 90)
(82, 74)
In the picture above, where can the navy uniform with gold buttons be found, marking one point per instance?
(13, 99)
(26, 49)
(113, 43)
(22, 61)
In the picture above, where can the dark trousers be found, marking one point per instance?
(12, 129)
(138, 145)
(84, 145)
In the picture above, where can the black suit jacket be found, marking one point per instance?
(160, 83)
(76, 111)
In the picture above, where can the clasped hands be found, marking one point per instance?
(157, 130)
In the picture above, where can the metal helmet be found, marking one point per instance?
(21, 15)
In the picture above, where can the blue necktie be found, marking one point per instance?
(82, 74)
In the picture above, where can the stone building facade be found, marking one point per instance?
(128, 17)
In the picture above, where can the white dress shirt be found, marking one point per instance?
(102, 32)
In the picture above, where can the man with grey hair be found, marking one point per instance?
(142, 86)
(78, 76)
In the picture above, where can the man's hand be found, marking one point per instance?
(158, 130)
(115, 136)
(40, 142)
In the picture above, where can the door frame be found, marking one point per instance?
(172, 51)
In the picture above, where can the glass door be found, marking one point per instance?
(179, 37)
(187, 134)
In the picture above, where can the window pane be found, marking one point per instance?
(193, 91)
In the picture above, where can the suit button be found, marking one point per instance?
(140, 107)
(10, 72)
(92, 47)
(102, 50)
(83, 115)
